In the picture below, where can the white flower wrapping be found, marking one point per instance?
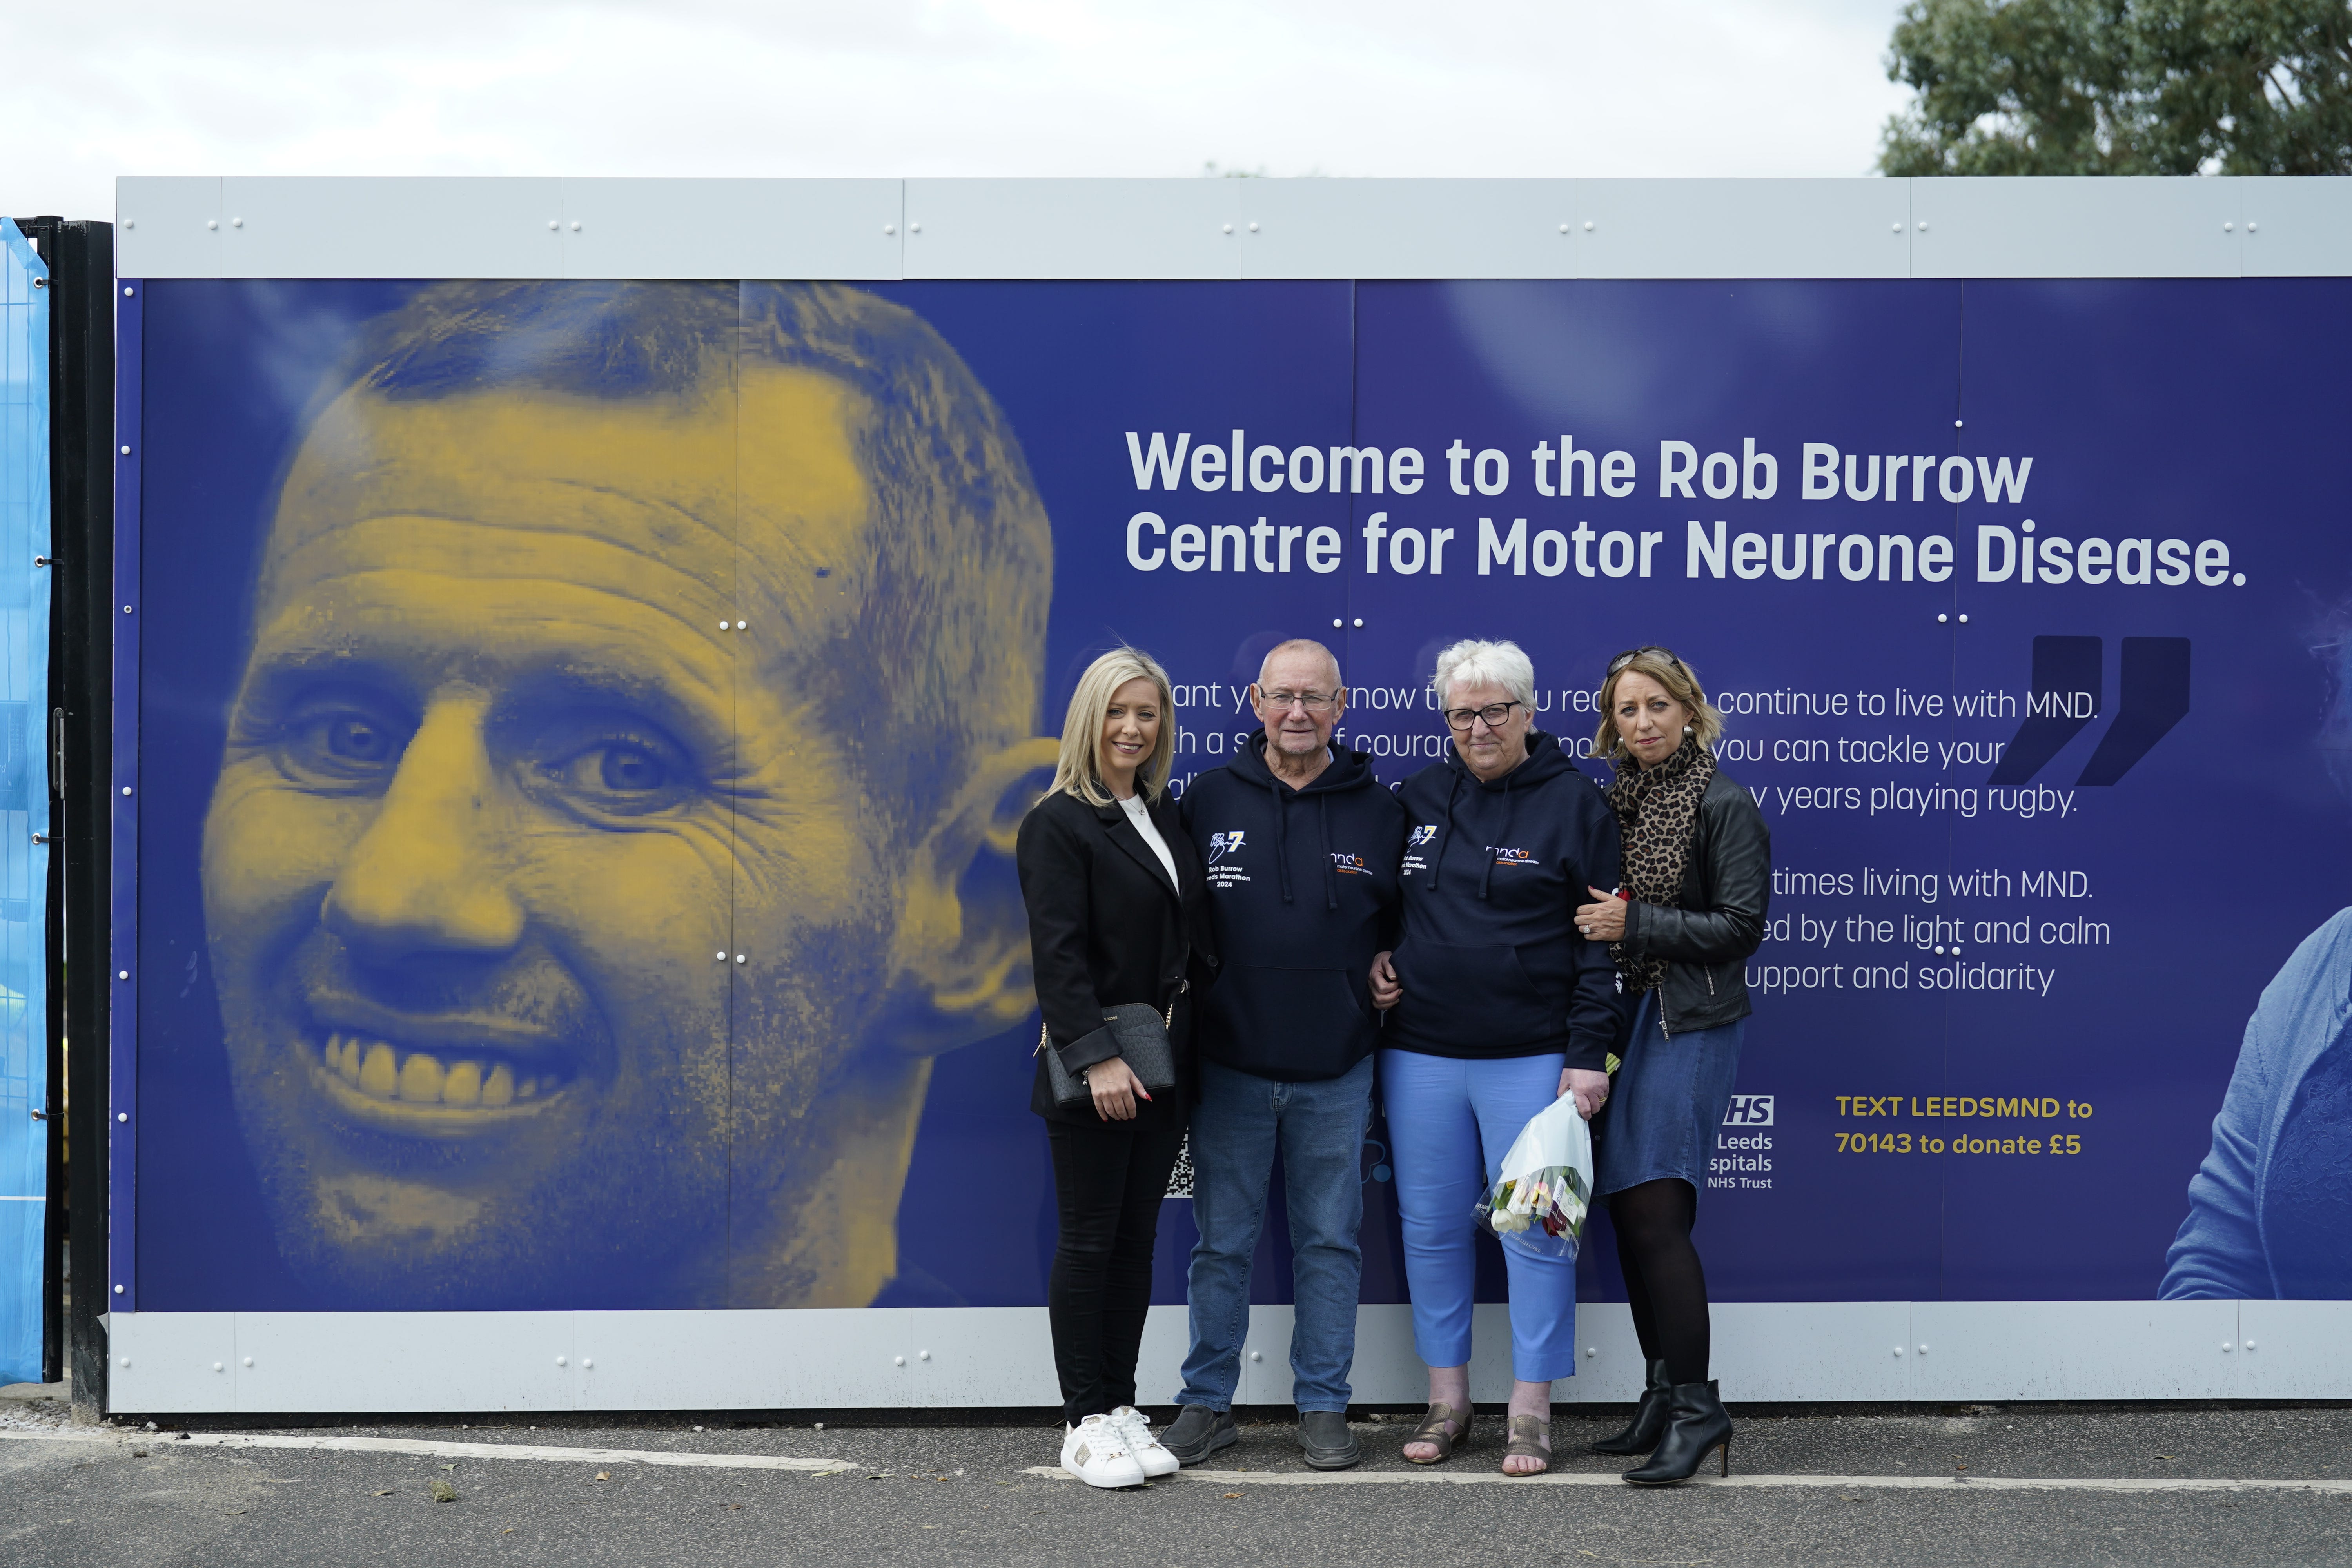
(1542, 1195)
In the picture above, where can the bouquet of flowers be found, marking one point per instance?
(1539, 1199)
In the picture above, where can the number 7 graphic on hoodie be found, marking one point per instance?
(1491, 962)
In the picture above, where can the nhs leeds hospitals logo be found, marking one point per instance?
(1742, 1157)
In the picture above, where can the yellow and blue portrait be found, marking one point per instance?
(598, 718)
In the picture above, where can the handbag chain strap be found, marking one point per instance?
(1167, 1019)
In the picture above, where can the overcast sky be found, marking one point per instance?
(934, 86)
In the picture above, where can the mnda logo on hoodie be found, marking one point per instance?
(1225, 866)
(1511, 857)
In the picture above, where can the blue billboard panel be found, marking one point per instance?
(595, 717)
(24, 799)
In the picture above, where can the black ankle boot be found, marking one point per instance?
(1696, 1425)
(1649, 1417)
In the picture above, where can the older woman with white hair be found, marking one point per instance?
(1499, 1006)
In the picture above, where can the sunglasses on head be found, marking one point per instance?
(1631, 654)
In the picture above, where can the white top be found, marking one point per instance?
(1140, 814)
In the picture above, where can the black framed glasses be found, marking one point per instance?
(1494, 713)
(1315, 702)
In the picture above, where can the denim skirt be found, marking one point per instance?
(1666, 1103)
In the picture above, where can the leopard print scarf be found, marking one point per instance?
(1657, 811)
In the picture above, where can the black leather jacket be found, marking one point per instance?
(1726, 889)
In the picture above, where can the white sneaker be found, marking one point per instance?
(1136, 1427)
(1094, 1451)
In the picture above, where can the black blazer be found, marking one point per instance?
(1107, 928)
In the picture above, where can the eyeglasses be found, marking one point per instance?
(1494, 713)
(1313, 701)
(1631, 654)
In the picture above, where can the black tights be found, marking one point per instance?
(1663, 1281)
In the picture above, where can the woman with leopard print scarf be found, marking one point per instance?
(1699, 876)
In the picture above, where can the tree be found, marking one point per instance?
(2122, 87)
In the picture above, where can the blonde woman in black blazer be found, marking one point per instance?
(1118, 914)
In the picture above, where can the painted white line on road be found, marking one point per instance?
(431, 1448)
(1595, 1479)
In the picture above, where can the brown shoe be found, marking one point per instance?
(1432, 1430)
(1524, 1432)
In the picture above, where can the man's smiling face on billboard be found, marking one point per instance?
(504, 794)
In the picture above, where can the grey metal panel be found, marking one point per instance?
(406, 1361)
(1265, 1356)
(1490, 1352)
(351, 227)
(2294, 1350)
(1386, 1371)
(2075, 228)
(165, 1361)
(1743, 229)
(811, 229)
(1609, 1368)
(970, 1357)
(845, 1359)
(1159, 1368)
(1072, 228)
(2074, 1350)
(1408, 228)
(2298, 226)
(808, 1358)
(1812, 1350)
(339, 227)
(167, 227)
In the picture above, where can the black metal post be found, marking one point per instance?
(81, 257)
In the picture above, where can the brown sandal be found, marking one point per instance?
(1523, 1431)
(1432, 1430)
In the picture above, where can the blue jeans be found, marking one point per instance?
(1451, 1121)
(1320, 1127)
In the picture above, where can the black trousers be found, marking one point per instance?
(1108, 1180)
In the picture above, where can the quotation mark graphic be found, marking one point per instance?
(2065, 699)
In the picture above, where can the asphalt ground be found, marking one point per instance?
(2027, 1484)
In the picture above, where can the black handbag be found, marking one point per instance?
(1141, 1032)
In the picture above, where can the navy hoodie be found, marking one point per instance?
(1302, 893)
(1491, 962)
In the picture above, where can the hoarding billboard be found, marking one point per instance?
(26, 1101)
(581, 727)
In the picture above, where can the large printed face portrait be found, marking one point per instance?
(642, 683)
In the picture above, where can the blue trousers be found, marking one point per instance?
(1449, 1123)
(1320, 1127)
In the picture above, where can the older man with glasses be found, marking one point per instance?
(1302, 846)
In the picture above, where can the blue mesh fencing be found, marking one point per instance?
(23, 796)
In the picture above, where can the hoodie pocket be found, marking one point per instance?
(1303, 1022)
(1477, 997)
